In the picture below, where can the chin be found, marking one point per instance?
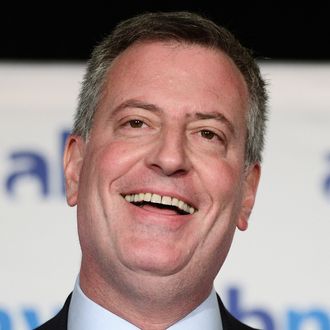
(156, 259)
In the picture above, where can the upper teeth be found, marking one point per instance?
(165, 200)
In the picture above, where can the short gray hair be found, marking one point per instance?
(183, 27)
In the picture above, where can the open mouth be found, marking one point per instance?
(161, 202)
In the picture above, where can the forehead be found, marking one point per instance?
(172, 72)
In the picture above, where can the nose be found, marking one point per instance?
(169, 155)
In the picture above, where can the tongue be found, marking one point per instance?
(159, 210)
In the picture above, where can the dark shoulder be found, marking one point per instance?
(229, 321)
(59, 321)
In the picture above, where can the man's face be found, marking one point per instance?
(160, 186)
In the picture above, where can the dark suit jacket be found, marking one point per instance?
(60, 321)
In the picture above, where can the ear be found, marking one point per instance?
(72, 161)
(251, 181)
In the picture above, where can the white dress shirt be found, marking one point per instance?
(85, 314)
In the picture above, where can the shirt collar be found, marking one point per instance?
(85, 314)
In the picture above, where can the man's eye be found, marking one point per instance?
(208, 134)
(136, 123)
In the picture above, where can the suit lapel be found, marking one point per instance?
(229, 322)
(60, 320)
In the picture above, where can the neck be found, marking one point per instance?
(149, 302)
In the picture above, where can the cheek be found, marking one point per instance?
(223, 183)
(103, 166)
(116, 159)
(223, 187)
(221, 179)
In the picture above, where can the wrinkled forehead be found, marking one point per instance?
(147, 62)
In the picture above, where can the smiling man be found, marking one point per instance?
(163, 164)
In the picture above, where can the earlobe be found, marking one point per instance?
(251, 182)
(72, 161)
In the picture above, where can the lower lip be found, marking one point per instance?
(154, 215)
(156, 210)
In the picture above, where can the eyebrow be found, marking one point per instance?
(216, 116)
(134, 103)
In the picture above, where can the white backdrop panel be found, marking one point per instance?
(277, 273)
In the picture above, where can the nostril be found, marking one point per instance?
(168, 171)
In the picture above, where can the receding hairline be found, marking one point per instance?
(179, 44)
